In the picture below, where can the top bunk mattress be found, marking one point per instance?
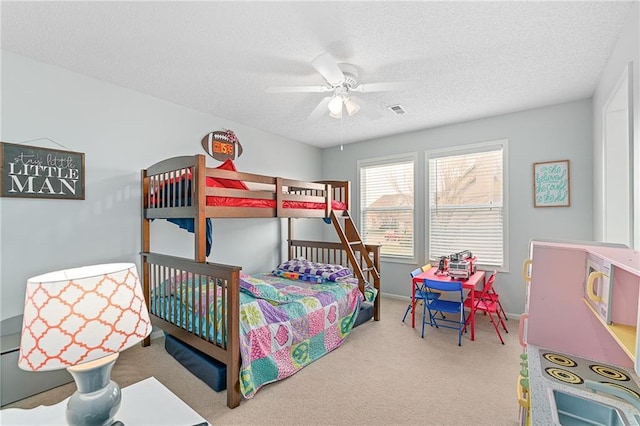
(217, 201)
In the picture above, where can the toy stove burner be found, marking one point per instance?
(559, 360)
(624, 388)
(564, 375)
(609, 372)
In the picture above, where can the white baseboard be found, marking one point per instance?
(395, 296)
(510, 316)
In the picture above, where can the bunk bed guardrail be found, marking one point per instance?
(175, 186)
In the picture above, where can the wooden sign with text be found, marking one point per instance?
(34, 172)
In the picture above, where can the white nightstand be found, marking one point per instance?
(147, 402)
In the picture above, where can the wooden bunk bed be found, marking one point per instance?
(185, 188)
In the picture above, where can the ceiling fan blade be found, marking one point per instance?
(320, 110)
(328, 67)
(297, 89)
(391, 86)
(368, 110)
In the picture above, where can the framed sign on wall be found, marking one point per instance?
(34, 172)
(551, 184)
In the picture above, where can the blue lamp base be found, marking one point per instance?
(98, 398)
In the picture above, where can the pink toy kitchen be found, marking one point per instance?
(580, 364)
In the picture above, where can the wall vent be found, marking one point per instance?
(397, 109)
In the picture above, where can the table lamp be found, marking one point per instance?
(80, 319)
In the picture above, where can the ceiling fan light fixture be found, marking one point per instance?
(337, 115)
(335, 105)
(351, 106)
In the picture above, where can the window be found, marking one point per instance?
(466, 203)
(386, 204)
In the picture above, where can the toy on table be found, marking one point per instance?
(462, 265)
(443, 265)
(459, 265)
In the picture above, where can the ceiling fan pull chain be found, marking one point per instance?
(341, 134)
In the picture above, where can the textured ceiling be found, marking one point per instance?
(469, 59)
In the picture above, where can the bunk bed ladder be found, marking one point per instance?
(352, 241)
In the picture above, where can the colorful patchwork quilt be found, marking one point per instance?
(284, 324)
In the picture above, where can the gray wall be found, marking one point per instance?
(120, 132)
(552, 133)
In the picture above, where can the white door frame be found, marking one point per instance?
(617, 162)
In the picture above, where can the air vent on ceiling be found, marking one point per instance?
(397, 109)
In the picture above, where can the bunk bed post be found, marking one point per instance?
(375, 250)
(279, 200)
(347, 194)
(198, 196)
(146, 245)
(290, 237)
(233, 346)
(327, 203)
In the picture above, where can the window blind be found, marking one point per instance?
(387, 206)
(466, 210)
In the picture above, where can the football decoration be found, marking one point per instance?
(222, 145)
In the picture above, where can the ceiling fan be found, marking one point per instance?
(342, 80)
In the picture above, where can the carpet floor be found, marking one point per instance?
(384, 374)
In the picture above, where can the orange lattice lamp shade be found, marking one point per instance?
(79, 315)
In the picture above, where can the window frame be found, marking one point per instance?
(462, 150)
(389, 160)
